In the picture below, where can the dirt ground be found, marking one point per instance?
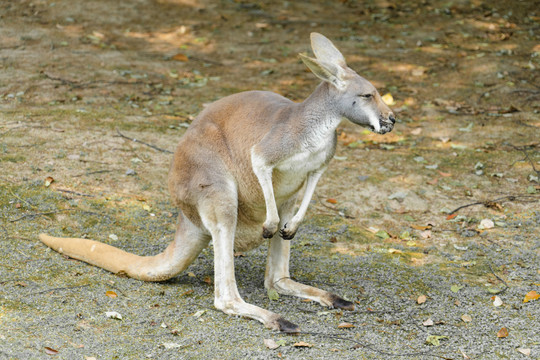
(432, 230)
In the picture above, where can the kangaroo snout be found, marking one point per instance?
(386, 123)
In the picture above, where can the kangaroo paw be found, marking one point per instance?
(269, 231)
(286, 234)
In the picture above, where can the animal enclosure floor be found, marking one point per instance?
(432, 230)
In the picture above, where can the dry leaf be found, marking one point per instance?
(531, 295)
(113, 315)
(416, 131)
(444, 174)
(422, 227)
(502, 333)
(428, 322)
(466, 318)
(50, 351)
(345, 325)
(388, 99)
(270, 344)
(395, 251)
(48, 181)
(302, 344)
(331, 201)
(486, 224)
(421, 299)
(111, 294)
(526, 352)
(208, 280)
(451, 216)
(180, 57)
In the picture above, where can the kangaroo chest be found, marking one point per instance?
(290, 174)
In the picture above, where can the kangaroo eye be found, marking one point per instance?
(366, 96)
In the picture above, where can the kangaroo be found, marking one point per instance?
(236, 175)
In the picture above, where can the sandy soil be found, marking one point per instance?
(79, 79)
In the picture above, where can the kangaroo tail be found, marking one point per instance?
(148, 268)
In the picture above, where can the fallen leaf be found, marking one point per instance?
(113, 237)
(270, 344)
(48, 181)
(421, 299)
(208, 280)
(50, 351)
(464, 355)
(531, 295)
(466, 318)
(435, 339)
(388, 99)
(526, 352)
(444, 174)
(456, 288)
(113, 315)
(331, 201)
(302, 344)
(272, 294)
(199, 313)
(394, 251)
(496, 301)
(382, 234)
(422, 227)
(345, 325)
(428, 322)
(451, 216)
(416, 131)
(180, 57)
(111, 294)
(486, 224)
(502, 333)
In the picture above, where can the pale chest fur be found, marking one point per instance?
(291, 173)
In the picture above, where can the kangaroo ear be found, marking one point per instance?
(325, 71)
(325, 51)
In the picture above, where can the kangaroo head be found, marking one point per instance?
(356, 98)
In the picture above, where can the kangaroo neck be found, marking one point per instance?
(319, 115)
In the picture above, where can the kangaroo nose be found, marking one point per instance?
(392, 118)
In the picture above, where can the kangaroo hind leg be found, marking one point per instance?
(277, 269)
(218, 212)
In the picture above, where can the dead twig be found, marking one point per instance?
(74, 192)
(142, 142)
(76, 84)
(522, 149)
(490, 203)
(59, 289)
(93, 172)
(33, 215)
(500, 279)
(340, 213)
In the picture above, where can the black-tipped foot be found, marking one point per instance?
(286, 234)
(268, 234)
(287, 326)
(340, 303)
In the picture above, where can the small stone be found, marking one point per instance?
(131, 172)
